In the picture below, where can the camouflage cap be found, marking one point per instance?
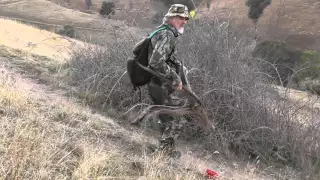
(178, 10)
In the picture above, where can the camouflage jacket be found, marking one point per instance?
(164, 48)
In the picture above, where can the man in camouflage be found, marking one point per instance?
(162, 59)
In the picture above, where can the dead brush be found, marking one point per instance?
(250, 117)
(99, 74)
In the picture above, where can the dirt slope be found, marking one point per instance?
(297, 16)
(71, 139)
(36, 41)
(132, 12)
(294, 21)
(90, 27)
(75, 141)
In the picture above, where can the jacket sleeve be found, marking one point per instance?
(182, 69)
(160, 54)
(174, 60)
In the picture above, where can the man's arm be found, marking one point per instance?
(173, 60)
(160, 54)
(182, 72)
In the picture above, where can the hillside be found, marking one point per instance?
(294, 21)
(89, 27)
(61, 98)
(48, 133)
(299, 17)
(36, 41)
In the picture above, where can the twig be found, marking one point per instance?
(140, 104)
(115, 85)
(263, 127)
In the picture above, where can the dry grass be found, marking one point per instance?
(80, 5)
(35, 41)
(97, 164)
(296, 16)
(14, 102)
(48, 136)
(44, 138)
(231, 84)
(55, 14)
(302, 97)
(90, 27)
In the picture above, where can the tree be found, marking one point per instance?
(88, 4)
(208, 4)
(256, 8)
(107, 8)
(67, 30)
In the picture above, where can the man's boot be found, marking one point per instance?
(167, 145)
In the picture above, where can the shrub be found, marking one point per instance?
(278, 60)
(107, 8)
(312, 59)
(157, 18)
(308, 78)
(189, 3)
(67, 31)
(250, 116)
(287, 66)
(100, 74)
(88, 4)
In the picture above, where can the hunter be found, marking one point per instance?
(163, 59)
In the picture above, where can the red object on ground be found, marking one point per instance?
(211, 174)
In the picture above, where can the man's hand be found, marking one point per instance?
(179, 87)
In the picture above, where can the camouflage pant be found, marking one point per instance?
(170, 126)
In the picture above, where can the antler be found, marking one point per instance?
(197, 111)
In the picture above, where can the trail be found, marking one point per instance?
(11, 2)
